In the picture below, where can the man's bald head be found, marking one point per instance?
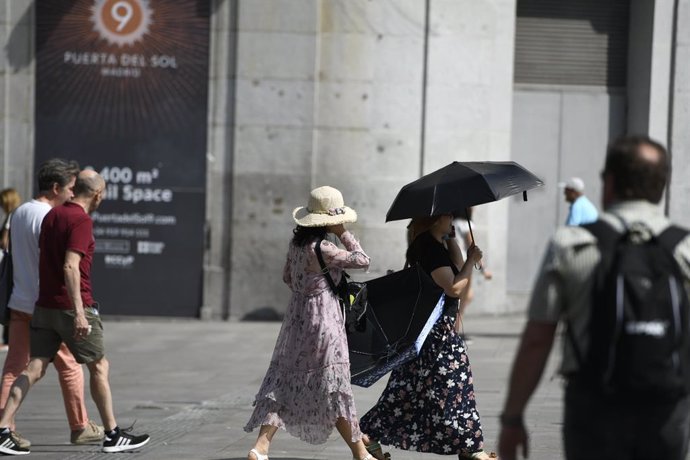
(88, 184)
(639, 167)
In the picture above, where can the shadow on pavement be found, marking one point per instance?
(496, 335)
(263, 314)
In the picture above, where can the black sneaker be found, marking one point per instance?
(10, 446)
(122, 441)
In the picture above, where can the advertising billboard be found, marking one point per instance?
(122, 87)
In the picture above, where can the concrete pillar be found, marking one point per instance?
(221, 120)
(369, 113)
(273, 143)
(660, 65)
(17, 95)
(649, 67)
(641, 32)
(679, 141)
(469, 107)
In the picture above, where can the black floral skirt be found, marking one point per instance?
(429, 404)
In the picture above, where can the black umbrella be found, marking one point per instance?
(460, 185)
(398, 308)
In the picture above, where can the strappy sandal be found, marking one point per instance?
(258, 455)
(375, 447)
(368, 457)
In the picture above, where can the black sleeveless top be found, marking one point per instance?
(426, 251)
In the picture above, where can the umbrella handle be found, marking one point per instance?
(478, 265)
(469, 223)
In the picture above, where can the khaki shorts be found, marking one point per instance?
(51, 326)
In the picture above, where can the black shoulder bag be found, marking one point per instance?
(6, 283)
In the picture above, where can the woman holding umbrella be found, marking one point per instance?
(306, 390)
(429, 404)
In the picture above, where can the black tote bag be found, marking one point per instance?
(6, 283)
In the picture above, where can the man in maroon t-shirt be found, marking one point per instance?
(66, 312)
(67, 228)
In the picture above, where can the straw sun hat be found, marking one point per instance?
(326, 207)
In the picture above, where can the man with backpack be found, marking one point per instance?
(620, 286)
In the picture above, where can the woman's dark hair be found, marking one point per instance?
(413, 254)
(417, 227)
(636, 176)
(304, 235)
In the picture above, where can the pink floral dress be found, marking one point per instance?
(307, 385)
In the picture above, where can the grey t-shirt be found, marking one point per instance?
(563, 286)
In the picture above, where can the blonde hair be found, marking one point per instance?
(10, 200)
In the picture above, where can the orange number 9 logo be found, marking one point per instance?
(122, 22)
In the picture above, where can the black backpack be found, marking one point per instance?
(639, 339)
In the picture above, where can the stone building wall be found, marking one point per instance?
(332, 93)
(362, 95)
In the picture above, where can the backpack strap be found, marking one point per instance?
(671, 237)
(324, 270)
(607, 239)
(327, 274)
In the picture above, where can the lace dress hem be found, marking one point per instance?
(311, 420)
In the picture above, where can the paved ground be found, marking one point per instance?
(190, 385)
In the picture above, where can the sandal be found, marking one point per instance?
(374, 448)
(368, 457)
(258, 455)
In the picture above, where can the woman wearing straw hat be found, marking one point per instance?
(306, 390)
